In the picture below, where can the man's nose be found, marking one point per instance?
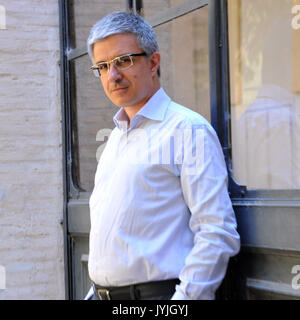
(113, 73)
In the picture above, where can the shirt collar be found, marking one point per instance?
(154, 109)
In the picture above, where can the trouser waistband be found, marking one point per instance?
(136, 291)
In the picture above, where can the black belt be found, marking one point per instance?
(136, 291)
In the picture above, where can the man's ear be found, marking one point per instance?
(154, 62)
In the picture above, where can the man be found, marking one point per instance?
(162, 224)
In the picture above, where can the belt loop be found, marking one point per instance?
(133, 293)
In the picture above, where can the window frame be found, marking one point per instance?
(239, 193)
(219, 91)
(69, 54)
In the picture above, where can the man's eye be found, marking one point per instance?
(124, 61)
(102, 66)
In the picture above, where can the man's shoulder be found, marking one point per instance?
(185, 116)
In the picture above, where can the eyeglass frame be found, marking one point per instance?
(108, 63)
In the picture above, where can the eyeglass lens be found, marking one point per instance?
(120, 63)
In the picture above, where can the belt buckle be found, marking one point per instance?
(103, 294)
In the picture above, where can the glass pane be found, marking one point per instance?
(184, 76)
(87, 13)
(265, 94)
(185, 60)
(94, 114)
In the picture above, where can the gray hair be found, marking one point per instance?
(123, 22)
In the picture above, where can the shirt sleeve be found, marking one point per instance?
(203, 178)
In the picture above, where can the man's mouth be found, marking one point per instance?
(119, 89)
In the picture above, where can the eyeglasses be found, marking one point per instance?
(121, 63)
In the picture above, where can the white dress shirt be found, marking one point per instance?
(160, 207)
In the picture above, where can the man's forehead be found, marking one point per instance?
(114, 46)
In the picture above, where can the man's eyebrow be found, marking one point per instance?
(121, 55)
(100, 61)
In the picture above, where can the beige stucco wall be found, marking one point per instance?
(31, 191)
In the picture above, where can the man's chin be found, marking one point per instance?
(121, 104)
(120, 101)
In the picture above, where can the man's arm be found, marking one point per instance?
(204, 187)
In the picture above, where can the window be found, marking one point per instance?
(265, 94)
(185, 68)
(184, 76)
(91, 111)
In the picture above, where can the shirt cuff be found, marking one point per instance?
(179, 296)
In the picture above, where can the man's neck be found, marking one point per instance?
(131, 111)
